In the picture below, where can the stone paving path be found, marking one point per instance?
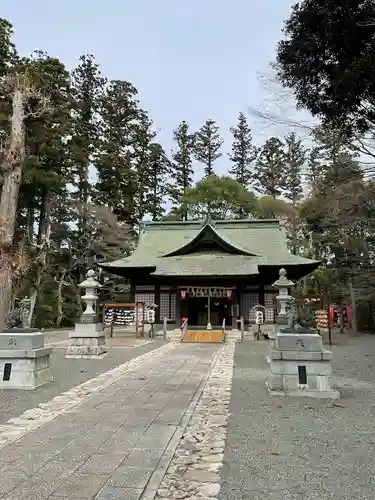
(68, 373)
(117, 435)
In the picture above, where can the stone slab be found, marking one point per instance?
(85, 350)
(274, 354)
(295, 342)
(20, 340)
(326, 355)
(286, 367)
(26, 364)
(25, 354)
(291, 382)
(87, 341)
(87, 330)
(297, 355)
(28, 368)
(27, 379)
(109, 493)
(308, 394)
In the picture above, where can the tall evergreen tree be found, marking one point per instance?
(143, 135)
(330, 142)
(27, 102)
(270, 168)
(181, 165)
(314, 168)
(338, 162)
(8, 58)
(115, 187)
(87, 85)
(207, 145)
(47, 166)
(159, 170)
(8, 53)
(295, 156)
(244, 153)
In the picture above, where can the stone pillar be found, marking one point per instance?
(88, 338)
(298, 363)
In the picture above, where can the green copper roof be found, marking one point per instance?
(213, 234)
(172, 248)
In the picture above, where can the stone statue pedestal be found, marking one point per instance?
(86, 341)
(300, 366)
(24, 361)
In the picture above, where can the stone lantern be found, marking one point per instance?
(88, 338)
(284, 285)
(90, 285)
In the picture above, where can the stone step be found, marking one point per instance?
(205, 336)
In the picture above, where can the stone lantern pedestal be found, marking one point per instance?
(298, 363)
(88, 338)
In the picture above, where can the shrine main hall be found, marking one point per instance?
(209, 271)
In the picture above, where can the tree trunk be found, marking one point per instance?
(294, 230)
(353, 304)
(44, 244)
(59, 316)
(30, 225)
(12, 171)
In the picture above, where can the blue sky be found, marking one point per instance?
(189, 60)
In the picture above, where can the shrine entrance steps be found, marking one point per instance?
(204, 336)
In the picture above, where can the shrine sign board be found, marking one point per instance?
(205, 291)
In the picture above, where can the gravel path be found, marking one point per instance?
(67, 374)
(296, 448)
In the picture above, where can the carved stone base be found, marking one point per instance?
(300, 366)
(87, 341)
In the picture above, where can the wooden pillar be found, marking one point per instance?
(235, 308)
(238, 291)
(132, 291)
(178, 313)
(261, 294)
(157, 302)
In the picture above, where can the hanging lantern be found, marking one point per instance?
(229, 294)
(182, 294)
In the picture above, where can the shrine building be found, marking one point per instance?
(208, 271)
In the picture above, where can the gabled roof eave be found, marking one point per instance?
(235, 248)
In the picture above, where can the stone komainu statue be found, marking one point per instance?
(298, 318)
(14, 319)
(19, 316)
